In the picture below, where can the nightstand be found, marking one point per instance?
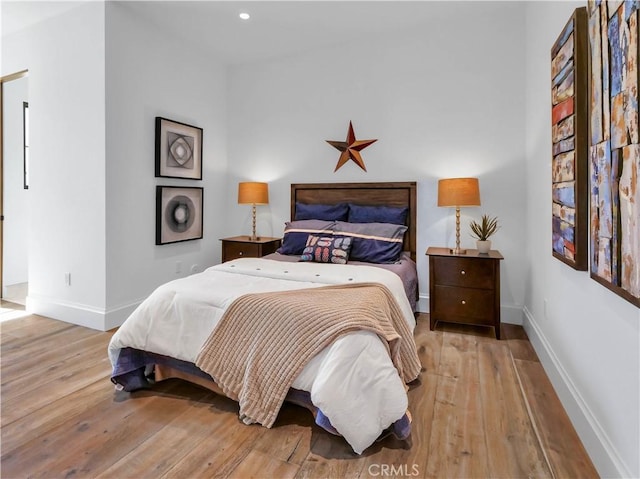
(464, 288)
(244, 247)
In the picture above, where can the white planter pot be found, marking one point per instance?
(483, 246)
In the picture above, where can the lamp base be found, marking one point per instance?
(457, 250)
(253, 216)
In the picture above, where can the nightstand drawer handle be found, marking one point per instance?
(463, 272)
(240, 253)
(464, 302)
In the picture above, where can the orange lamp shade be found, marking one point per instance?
(458, 192)
(251, 192)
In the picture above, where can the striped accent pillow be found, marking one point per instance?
(297, 232)
(373, 242)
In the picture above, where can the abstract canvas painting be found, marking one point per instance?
(178, 214)
(569, 130)
(178, 150)
(614, 164)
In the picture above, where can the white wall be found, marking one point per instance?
(444, 100)
(149, 75)
(588, 338)
(65, 59)
(15, 208)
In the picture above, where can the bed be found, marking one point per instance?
(351, 364)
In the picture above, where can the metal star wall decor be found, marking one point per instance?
(350, 149)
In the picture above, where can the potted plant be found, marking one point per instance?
(483, 230)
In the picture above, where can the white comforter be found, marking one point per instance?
(353, 381)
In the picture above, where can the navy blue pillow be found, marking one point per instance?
(337, 212)
(378, 214)
(297, 232)
(373, 242)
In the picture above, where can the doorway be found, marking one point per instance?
(14, 156)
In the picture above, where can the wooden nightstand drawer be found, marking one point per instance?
(474, 305)
(239, 250)
(464, 272)
(244, 247)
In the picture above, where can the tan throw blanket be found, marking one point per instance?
(264, 340)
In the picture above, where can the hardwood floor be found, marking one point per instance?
(481, 408)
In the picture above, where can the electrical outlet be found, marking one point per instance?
(67, 279)
(178, 267)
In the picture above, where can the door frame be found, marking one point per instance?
(3, 80)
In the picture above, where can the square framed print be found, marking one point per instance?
(178, 214)
(178, 150)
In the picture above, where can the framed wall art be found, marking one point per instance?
(570, 126)
(178, 214)
(178, 150)
(614, 165)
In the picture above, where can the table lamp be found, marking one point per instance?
(457, 192)
(253, 193)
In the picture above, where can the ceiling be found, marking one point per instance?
(275, 29)
(16, 14)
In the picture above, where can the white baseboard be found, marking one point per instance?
(511, 314)
(80, 314)
(69, 312)
(423, 303)
(15, 293)
(116, 316)
(604, 455)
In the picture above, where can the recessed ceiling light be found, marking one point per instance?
(245, 16)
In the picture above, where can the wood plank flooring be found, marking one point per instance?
(481, 408)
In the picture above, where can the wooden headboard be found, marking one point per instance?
(397, 194)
